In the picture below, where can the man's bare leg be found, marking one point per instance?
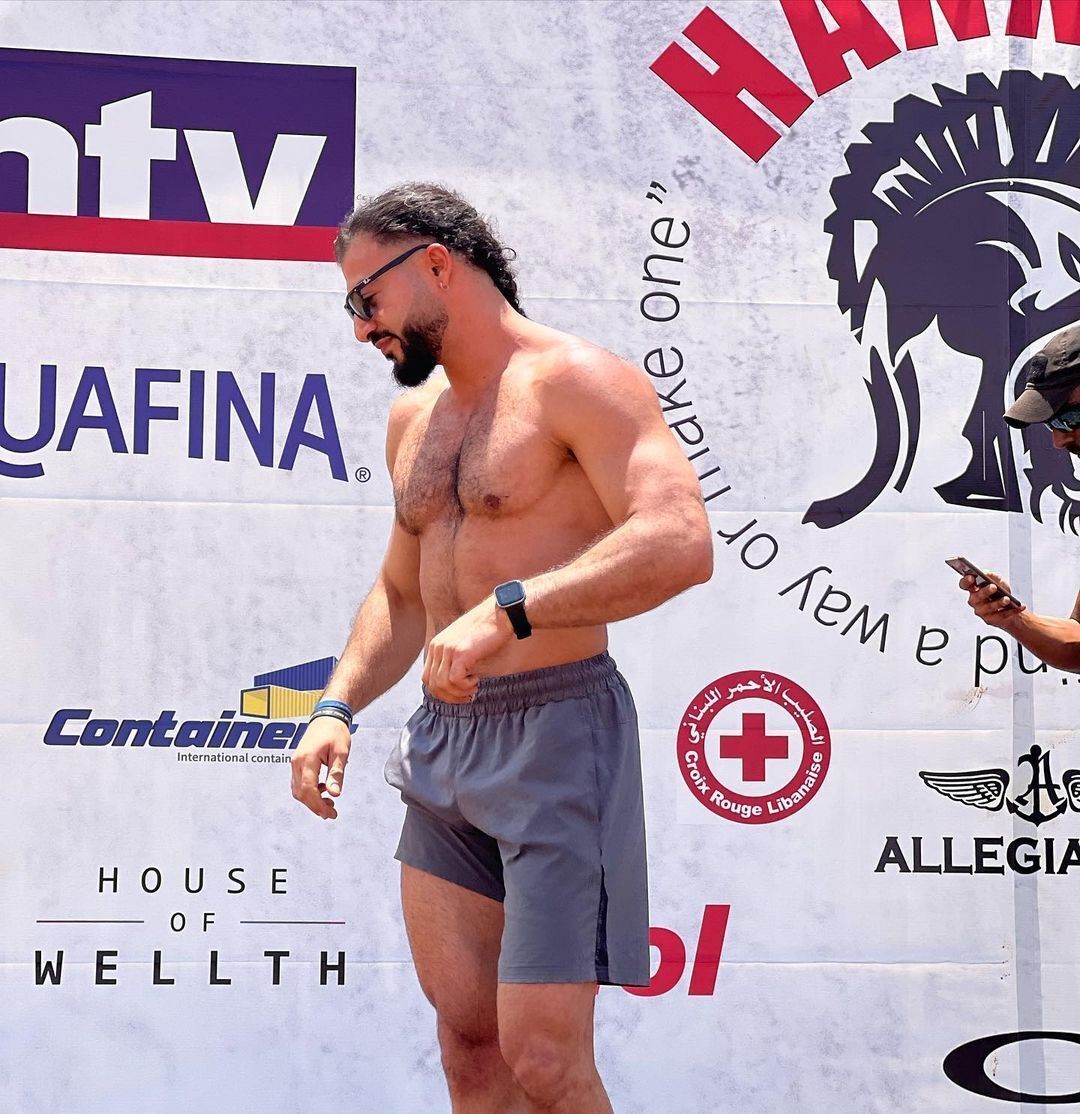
(455, 936)
(546, 1035)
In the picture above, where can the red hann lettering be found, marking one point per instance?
(823, 50)
(740, 68)
(966, 18)
(1024, 20)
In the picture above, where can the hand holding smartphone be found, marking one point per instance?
(965, 568)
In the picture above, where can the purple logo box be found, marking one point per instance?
(178, 160)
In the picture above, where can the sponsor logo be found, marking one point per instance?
(953, 241)
(962, 215)
(49, 969)
(826, 44)
(966, 1067)
(207, 409)
(751, 716)
(1042, 798)
(49, 962)
(272, 700)
(673, 957)
(954, 246)
(291, 692)
(173, 156)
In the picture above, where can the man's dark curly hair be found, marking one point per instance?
(432, 212)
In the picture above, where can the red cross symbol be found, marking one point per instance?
(753, 746)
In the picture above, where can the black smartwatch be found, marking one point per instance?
(511, 598)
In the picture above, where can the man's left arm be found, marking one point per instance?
(605, 412)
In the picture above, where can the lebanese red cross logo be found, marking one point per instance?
(753, 746)
(744, 798)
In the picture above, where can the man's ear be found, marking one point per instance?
(441, 264)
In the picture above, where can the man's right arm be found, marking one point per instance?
(1054, 641)
(388, 631)
(386, 638)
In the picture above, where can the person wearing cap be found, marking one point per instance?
(1051, 397)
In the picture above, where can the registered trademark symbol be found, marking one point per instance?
(363, 475)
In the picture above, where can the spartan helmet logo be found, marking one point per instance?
(964, 212)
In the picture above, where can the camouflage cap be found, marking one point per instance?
(1051, 375)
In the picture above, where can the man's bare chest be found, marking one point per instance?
(492, 462)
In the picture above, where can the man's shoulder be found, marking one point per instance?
(584, 382)
(567, 362)
(409, 406)
(415, 401)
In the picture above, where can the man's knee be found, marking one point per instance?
(470, 1053)
(547, 1069)
(459, 1037)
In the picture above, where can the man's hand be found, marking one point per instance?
(453, 655)
(987, 602)
(326, 743)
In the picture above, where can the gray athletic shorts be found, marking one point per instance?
(531, 795)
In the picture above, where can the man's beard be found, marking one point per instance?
(421, 347)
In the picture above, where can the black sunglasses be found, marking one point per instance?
(356, 305)
(1065, 420)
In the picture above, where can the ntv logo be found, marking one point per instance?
(962, 213)
(173, 156)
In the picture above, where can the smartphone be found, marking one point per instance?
(965, 568)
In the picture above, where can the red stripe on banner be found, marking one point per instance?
(167, 237)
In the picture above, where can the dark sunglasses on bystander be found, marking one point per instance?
(1065, 420)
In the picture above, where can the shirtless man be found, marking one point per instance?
(539, 496)
(1051, 397)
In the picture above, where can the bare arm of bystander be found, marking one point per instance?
(1054, 641)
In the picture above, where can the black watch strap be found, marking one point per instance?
(519, 620)
(511, 598)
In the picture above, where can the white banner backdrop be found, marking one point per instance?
(833, 331)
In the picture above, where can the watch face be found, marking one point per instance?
(506, 595)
